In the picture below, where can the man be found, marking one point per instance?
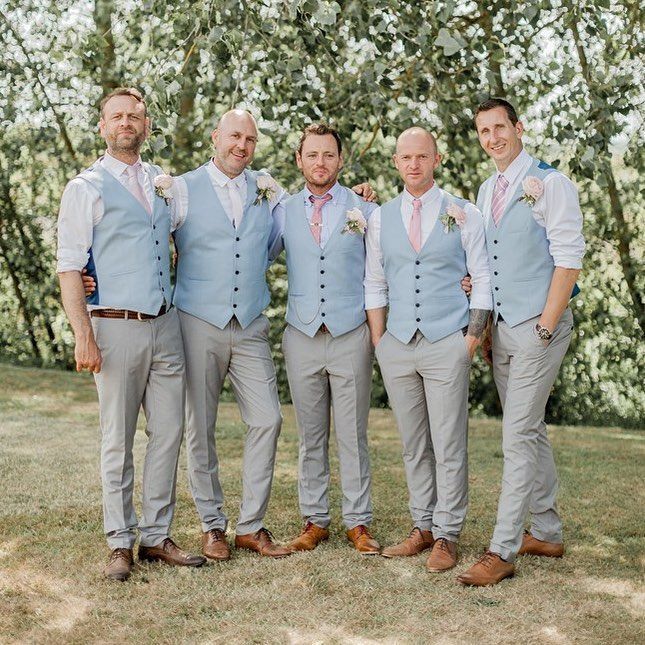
(535, 245)
(326, 344)
(419, 247)
(129, 337)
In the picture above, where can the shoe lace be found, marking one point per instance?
(488, 559)
(217, 535)
(120, 554)
(442, 543)
(309, 526)
(266, 532)
(361, 530)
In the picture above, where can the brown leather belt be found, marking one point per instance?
(125, 314)
(323, 329)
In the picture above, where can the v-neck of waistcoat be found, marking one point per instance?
(432, 232)
(107, 174)
(334, 234)
(516, 195)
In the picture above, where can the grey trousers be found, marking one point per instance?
(326, 372)
(427, 384)
(524, 371)
(143, 363)
(243, 354)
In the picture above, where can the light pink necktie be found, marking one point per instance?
(415, 225)
(316, 218)
(499, 199)
(135, 187)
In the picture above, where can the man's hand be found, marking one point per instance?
(366, 192)
(467, 285)
(89, 284)
(87, 354)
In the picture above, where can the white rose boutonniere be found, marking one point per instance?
(163, 187)
(355, 222)
(454, 216)
(533, 189)
(267, 189)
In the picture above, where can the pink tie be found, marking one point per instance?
(497, 207)
(316, 218)
(415, 225)
(135, 187)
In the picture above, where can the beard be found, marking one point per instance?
(121, 144)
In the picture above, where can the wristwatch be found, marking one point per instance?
(542, 332)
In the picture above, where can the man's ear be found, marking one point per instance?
(298, 159)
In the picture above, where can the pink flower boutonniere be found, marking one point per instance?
(454, 216)
(533, 189)
(267, 189)
(355, 222)
(163, 187)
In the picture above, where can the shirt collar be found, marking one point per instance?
(430, 195)
(515, 168)
(335, 191)
(118, 167)
(221, 179)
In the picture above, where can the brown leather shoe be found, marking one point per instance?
(364, 543)
(418, 541)
(533, 546)
(310, 537)
(443, 556)
(262, 542)
(119, 565)
(488, 570)
(170, 553)
(215, 546)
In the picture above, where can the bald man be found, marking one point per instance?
(228, 221)
(419, 246)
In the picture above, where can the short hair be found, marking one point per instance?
(495, 102)
(124, 91)
(320, 129)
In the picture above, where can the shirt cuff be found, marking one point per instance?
(70, 264)
(375, 300)
(568, 262)
(481, 297)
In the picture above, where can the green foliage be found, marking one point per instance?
(372, 69)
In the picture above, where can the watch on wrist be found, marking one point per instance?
(542, 332)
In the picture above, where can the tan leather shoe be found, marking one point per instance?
(364, 543)
(443, 556)
(488, 570)
(418, 541)
(310, 537)
(215, 546)
(262, 542)
(533, 546)
(171, 554)
(119, 565)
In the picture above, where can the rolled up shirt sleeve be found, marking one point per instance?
(559, 208)
(473, 239)
(278, 212)
(375, 283)
(178, 203)
(81, 208)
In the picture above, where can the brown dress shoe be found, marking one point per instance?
(215, 546)
(364, 543)
(310, 537)
(119, 565)
(443, 556)
(170, 553)
(533, 546)
(262, 542)
(488, 570)
(418, 541)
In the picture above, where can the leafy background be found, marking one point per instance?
(572, 69)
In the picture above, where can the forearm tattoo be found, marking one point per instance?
(477, 322)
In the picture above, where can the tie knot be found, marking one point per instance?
(315, 200)
(416, 204)
(132, 170)
(502, 182)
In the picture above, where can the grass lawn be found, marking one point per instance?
(52, 548)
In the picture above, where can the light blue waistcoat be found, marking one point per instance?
(521, 266)
(325, 284)
(129, 257)
(424, 289)
(221, 269)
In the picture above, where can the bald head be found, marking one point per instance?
(234, 139)
(416, 159)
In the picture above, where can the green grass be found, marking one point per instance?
(52, 549)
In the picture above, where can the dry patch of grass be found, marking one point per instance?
(52, 549)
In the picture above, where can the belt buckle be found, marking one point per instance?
(126, 314)
(139, 316)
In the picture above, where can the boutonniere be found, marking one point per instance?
(533, 189)
(267, 189)
(163, 187)
(355, 222)
(454, 216)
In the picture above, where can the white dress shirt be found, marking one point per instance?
(472, 239)
(222, 184)
(81, 209)
(557, 210)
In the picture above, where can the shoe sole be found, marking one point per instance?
(405, 555)
(217, 559)
(152, 558)
(436, 570)
(490, 584)
(117, 578)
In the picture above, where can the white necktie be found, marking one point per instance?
(135, 187)
(237, 209)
